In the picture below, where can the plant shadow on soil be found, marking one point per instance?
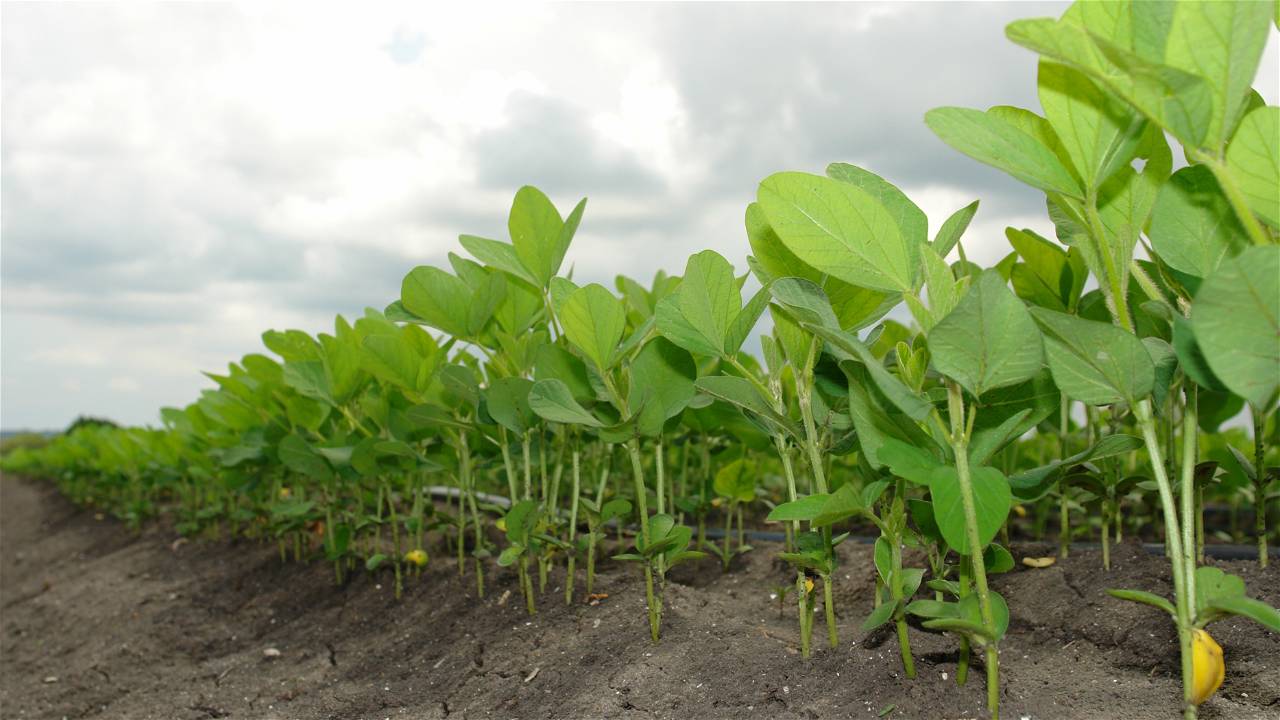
(99, 622)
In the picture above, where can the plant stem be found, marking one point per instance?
(642, 506)
(898, 521)
(1064, 513)
(960, 446)
(1188, 492)
(1259, 483)
(1142, 411)
(573, 530)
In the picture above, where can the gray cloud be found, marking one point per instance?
(178, 178)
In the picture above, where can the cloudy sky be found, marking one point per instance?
(178, 178)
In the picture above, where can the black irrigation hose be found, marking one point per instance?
(1218, 552)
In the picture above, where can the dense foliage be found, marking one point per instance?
(520, 417)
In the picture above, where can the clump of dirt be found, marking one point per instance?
(98, 621)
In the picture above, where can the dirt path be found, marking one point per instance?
(98, 622)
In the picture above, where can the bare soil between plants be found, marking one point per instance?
(97, 621)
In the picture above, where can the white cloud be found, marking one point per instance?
(179, 177)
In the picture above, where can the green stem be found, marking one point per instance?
(1259, 483)
(573, 530)
(1142, 411)
(642, 506)
(960, 447)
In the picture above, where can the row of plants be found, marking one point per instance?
(506, 415)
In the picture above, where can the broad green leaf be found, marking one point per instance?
(535, 227)
(1192, 225)
(662, 378)
(879, 616)
(953, 228)
(1001, 144)
(309, 378)
(1093, 362)
(908, 461)
(910, 219)
(1236, 318)
(698, 316)
(552, 400)
(1253, 159)
(1096, 131)
(841, 230)
(593, 321)
(741, 393)
(1221, 42)
(1045, 277)
(299, 457)
(441, 300)
(1191, 357)
(1245, 606)
(553, 362)
(496, 254)
(736, 480)
(1176, 100)
(508, 403)
(989, 340)
(801, 510)
(991, 499)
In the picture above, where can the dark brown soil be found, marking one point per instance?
(100, 622)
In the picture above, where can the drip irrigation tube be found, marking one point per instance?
(1216, 551)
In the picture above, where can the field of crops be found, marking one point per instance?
(500, 437)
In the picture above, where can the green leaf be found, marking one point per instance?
(989, 340)
(1096, 131)
(879, 616)
(840, 505)
(1236, 318)
(991, 499)
(841, 230)
(391, 359)
(1146, 598)
(742, 394)
(1093, 362)
(552, 400)
(535, 227)
(800, 510)
(933, 609)
(1253, 159)
(736, 480)
(1192, 225)
(970, 628)
(953, 228)
(908, 461)
(1176, 100)
(593, 322)
(910, 219)
(896, 391)
(298, 456)
(662, 378)
(508, 403)
(707, 302)
(1045, 277)
(1255, 610)
(1221, 42)
(441, 300)
(498, 255)
(1001, 144)
(553, 362)
(309, 378)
